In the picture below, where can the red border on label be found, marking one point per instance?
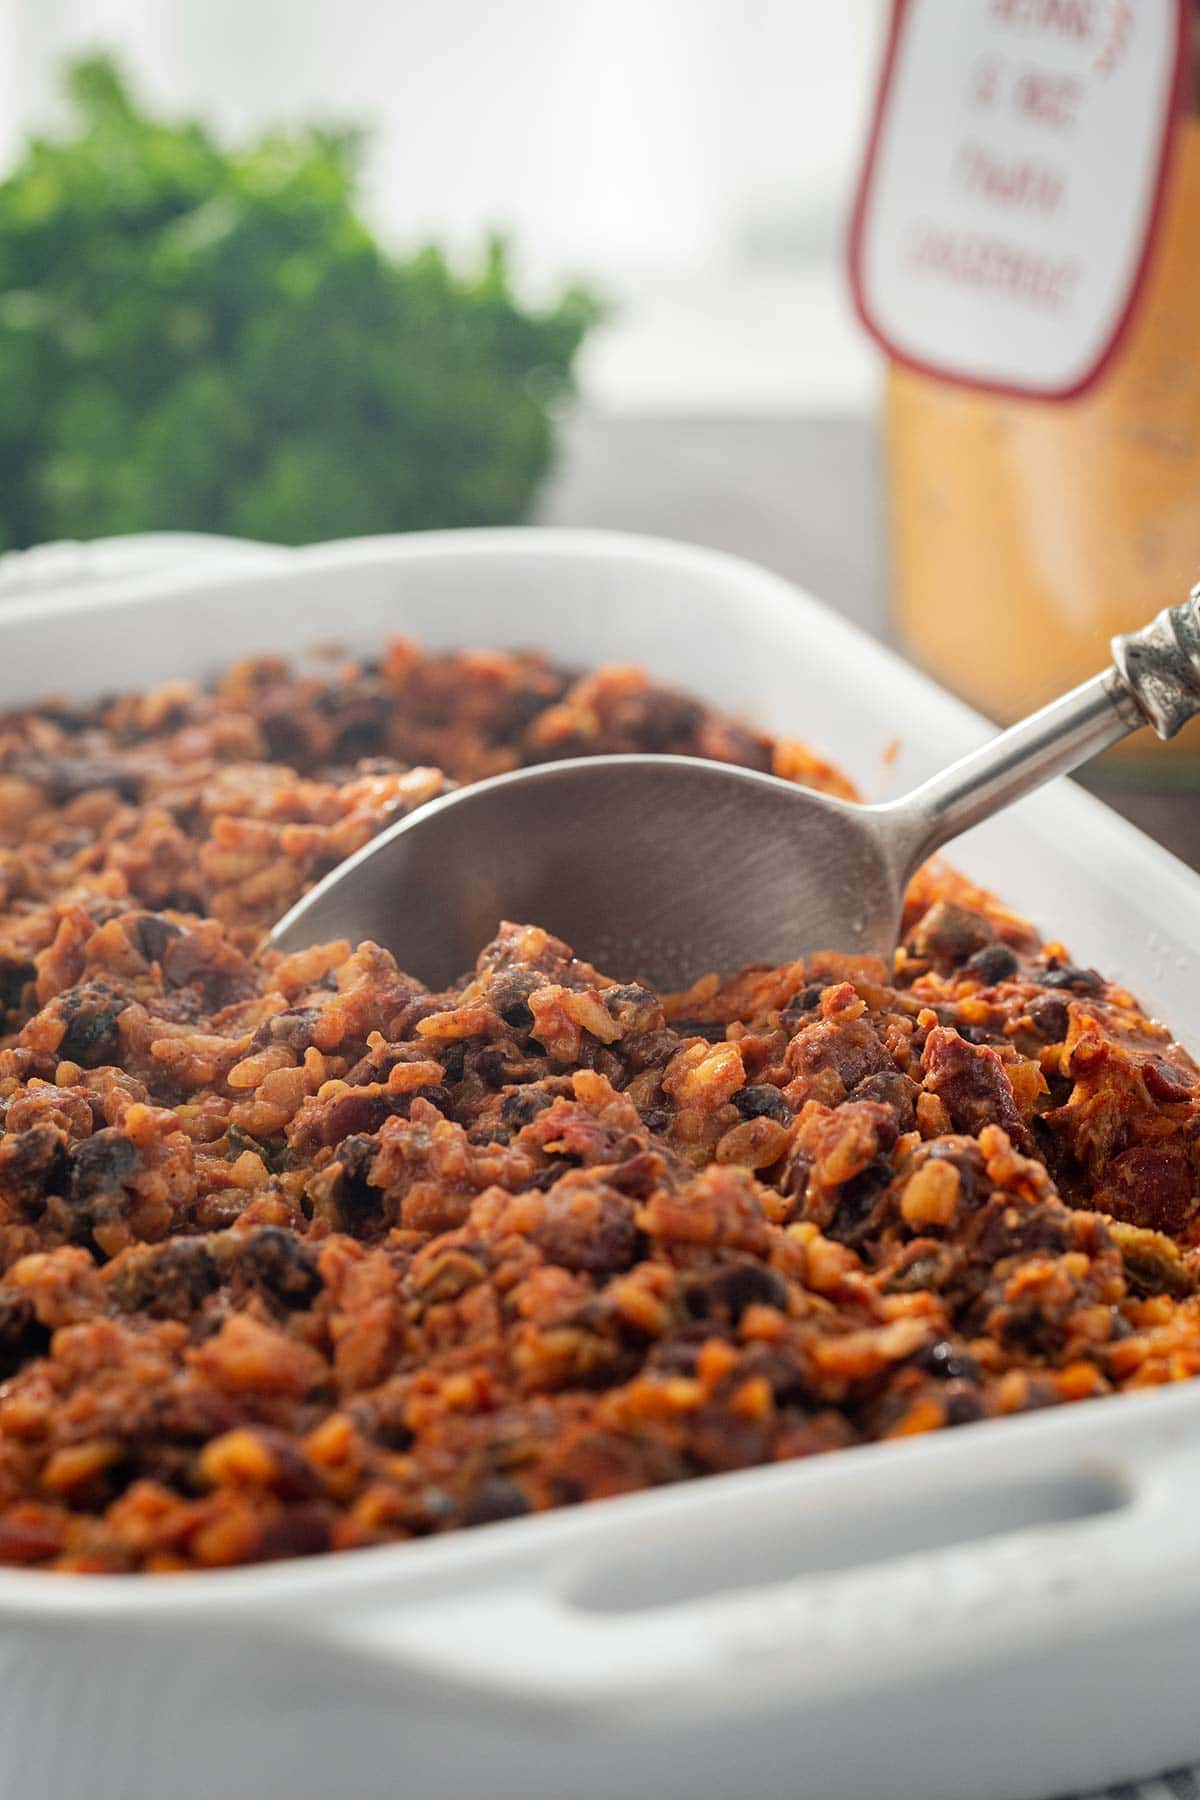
(862, 200)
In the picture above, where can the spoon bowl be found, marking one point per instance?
(659, 867)
(666, 867)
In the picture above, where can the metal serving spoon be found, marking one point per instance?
(664, 867)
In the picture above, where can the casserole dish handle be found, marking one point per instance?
(556, 1644)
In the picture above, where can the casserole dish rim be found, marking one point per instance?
(28, 1594)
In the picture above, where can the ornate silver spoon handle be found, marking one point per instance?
(1154, 680)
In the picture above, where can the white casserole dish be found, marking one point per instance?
(1007, 1611)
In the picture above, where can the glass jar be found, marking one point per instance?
(1025, 533)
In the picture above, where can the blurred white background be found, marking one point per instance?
(693, 158)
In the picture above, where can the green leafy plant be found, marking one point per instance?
(193, 337)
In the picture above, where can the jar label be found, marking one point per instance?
(1012, 184)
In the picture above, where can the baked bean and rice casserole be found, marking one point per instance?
(298, 1256)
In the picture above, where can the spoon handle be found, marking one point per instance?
(1154, 680)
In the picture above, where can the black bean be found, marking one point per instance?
(806, 1001)
(888, 1087)
(964, 1404)
(66, 777)
(285, 737)
(151, 934)
(979, 1034)
(33, 1165)
(1049, 1017)
(90, 1014)
(169, 1281)
(500, 1065)
(995, 962)
(293, 1027)
(356, 738)
(66, 715)
(730, 1291)
(763, 1102)
(100, 1166)
(495, 1499)
(656, 1118)
(277, 1264)
(14, 974)
(628, 994)
(1077, 981)
(21, 1336)
(948, 935)
(546, 1178)
(947, 1361)
(857, 1202)
(712, 1029)
(1033, 1332)
(967, 1159)
(508, 994)
(523, 1105)
(1006, 1230)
